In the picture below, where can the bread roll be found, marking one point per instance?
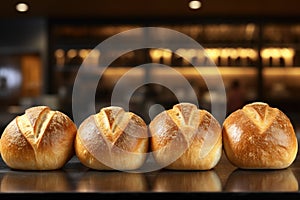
(186, 138)
(259, 137)
(40, 139)
(112, 139)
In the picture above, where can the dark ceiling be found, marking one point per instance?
(120, 9)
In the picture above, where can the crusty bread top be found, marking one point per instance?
(184, 137)
(40, 139)
(259, 136)
(114, 137)
(185, 119)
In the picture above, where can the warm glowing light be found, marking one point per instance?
(275, 52)
(243, 52)
(213, 53)
(59, 53)
(225, 53)
(155, 54)
(60, 57)
(278, 52)
(72, 53)
(167, 53)
(252, 53)
(22, 7)
(233, 53)
(194, 4)
(287, 52)
(265, 53)
(83, 53)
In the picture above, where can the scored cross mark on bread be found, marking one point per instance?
(187, 119)
(259, 137)
(109, 123)
(112, 139)
(261, 115)
(183, 114)
(186, 137)
(40, 139)
(33, 124)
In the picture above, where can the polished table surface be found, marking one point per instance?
(77, 181)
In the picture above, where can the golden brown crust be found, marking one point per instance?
(85, 157)
(186, 137)
(41, 139)
(112, 139)
(260, 137)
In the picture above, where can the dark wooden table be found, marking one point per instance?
(75, 181)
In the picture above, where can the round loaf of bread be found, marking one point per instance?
(186, 138)
(112, 139)
(40, 139)
(259, 137)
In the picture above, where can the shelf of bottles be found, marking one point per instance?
(239, 51)
(228, 56)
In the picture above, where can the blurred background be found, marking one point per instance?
(255, 45)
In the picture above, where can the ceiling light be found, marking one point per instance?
(22, 7)
(194, 4)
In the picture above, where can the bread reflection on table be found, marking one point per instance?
(110, 181)
(35, 181)
(282, 180)
(187, 181)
